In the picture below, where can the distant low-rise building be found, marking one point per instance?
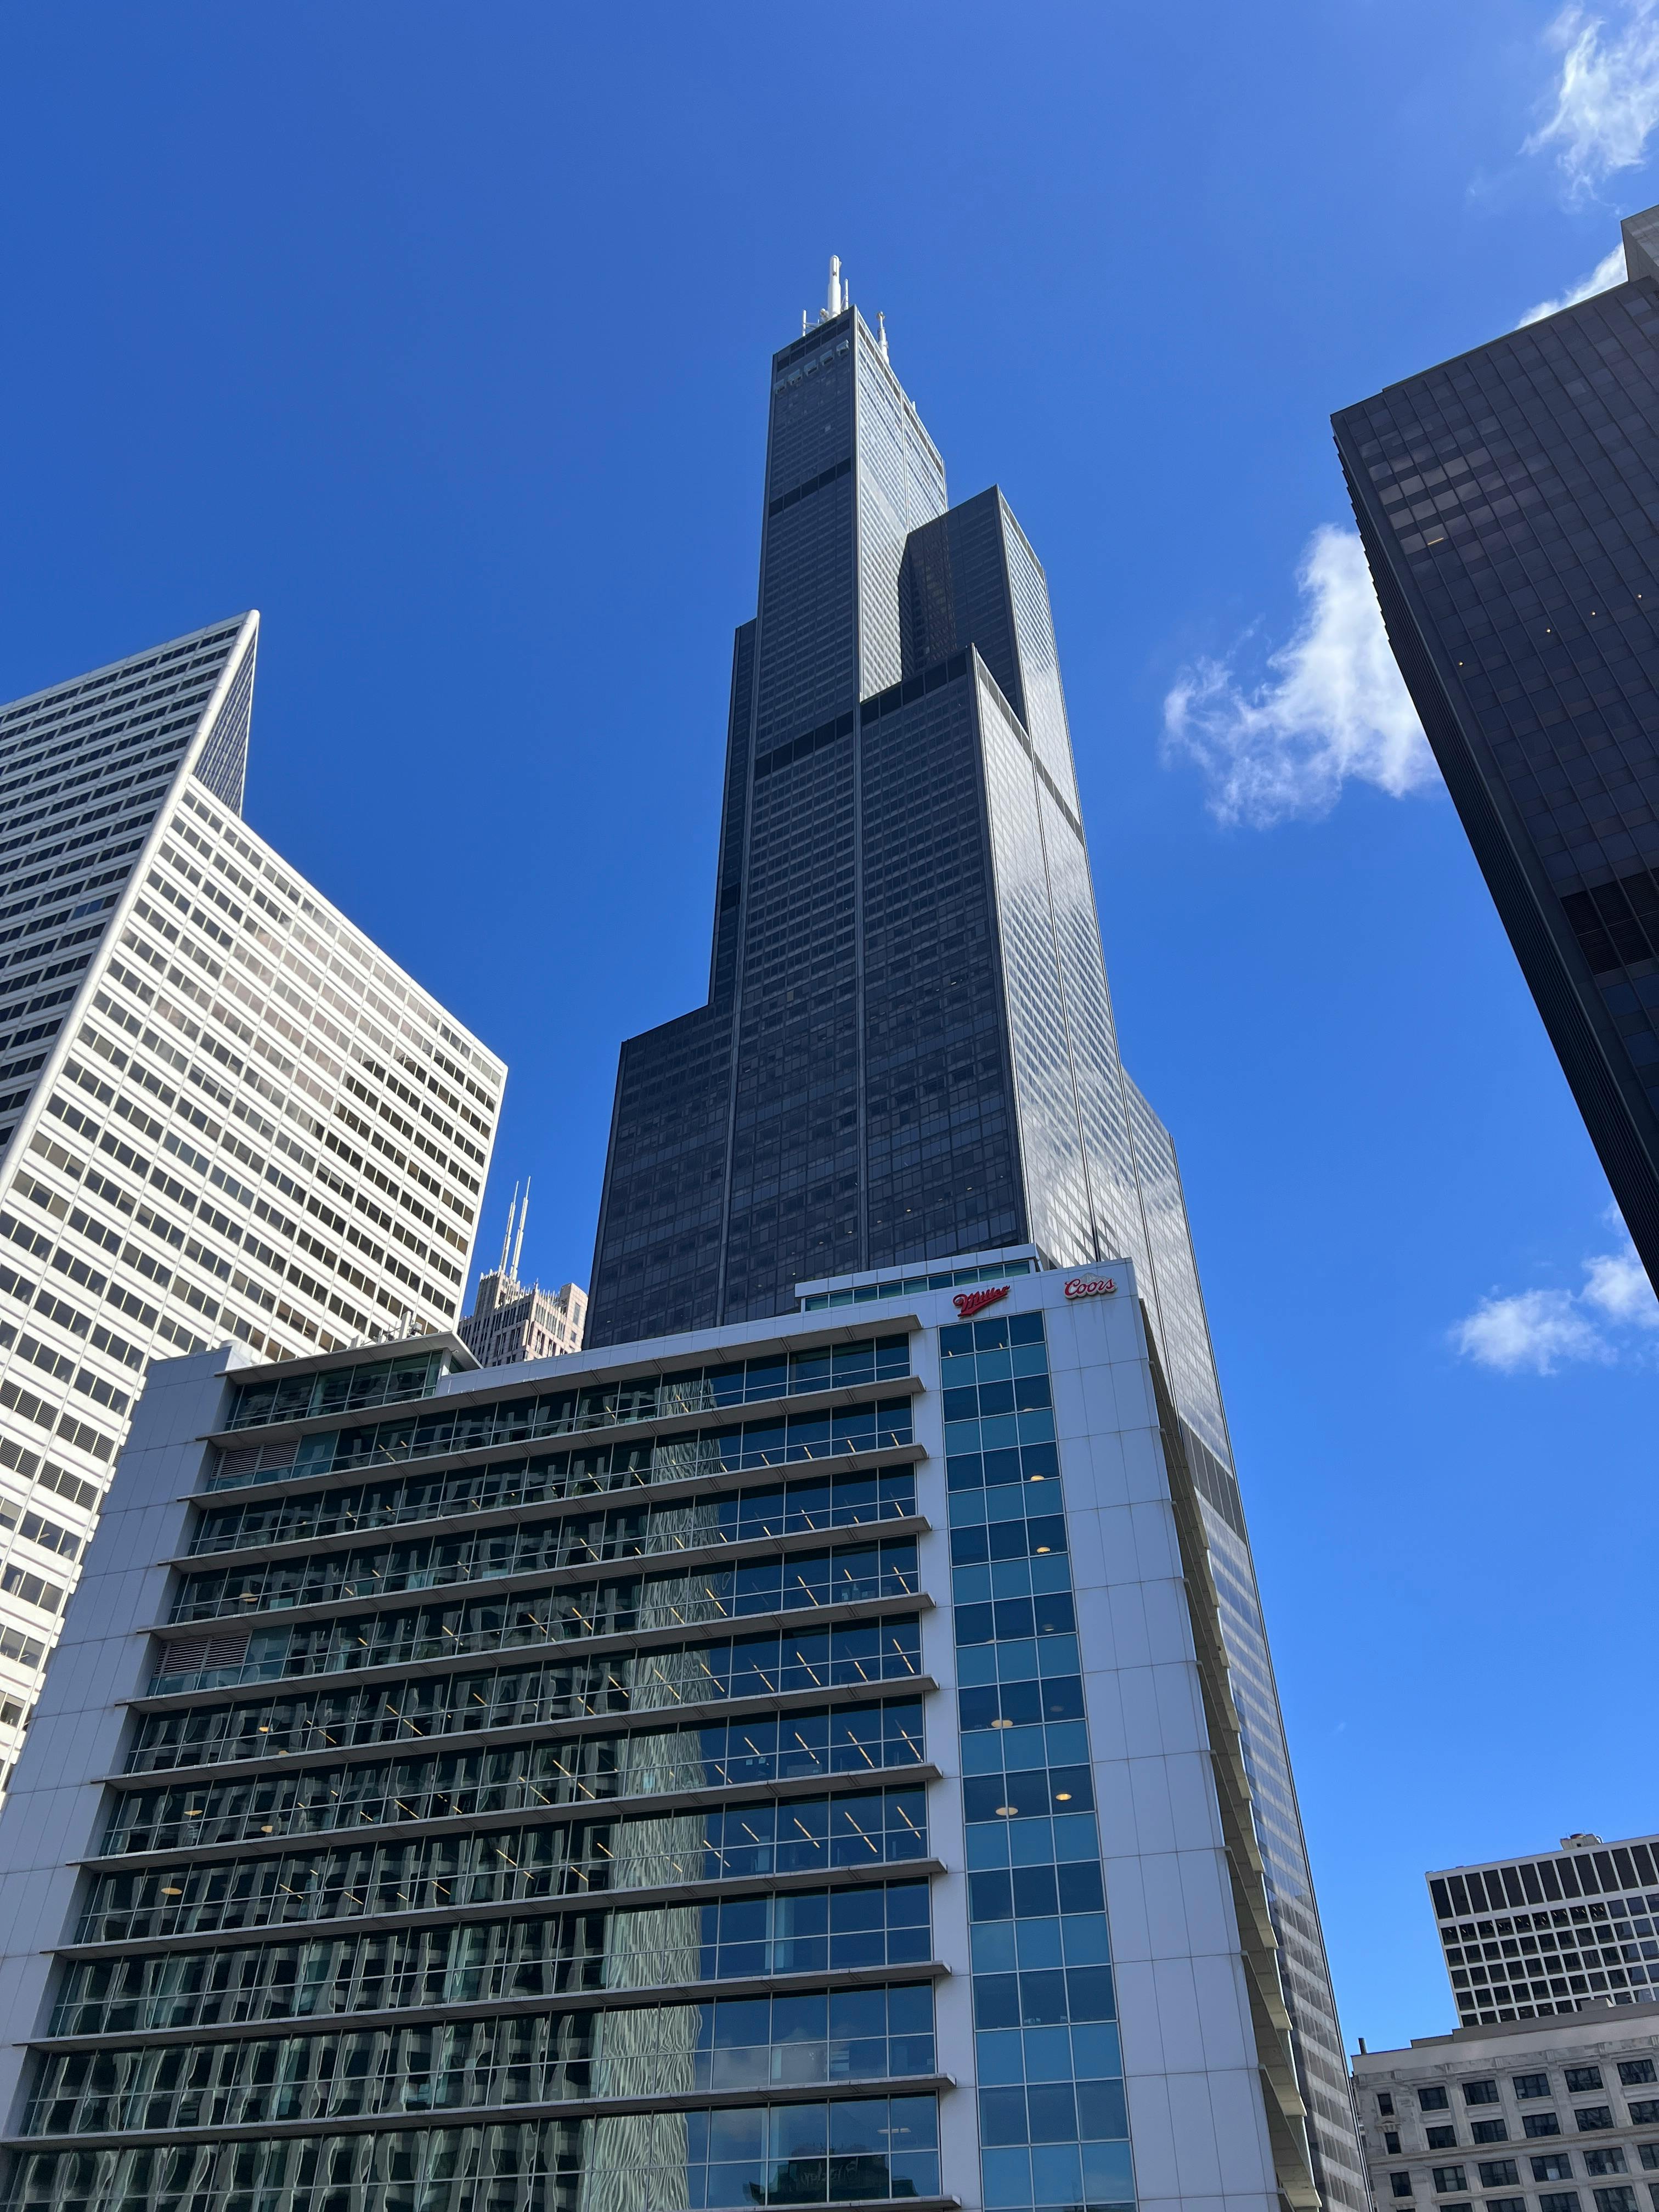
(1520, 2116)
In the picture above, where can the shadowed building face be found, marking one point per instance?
(1508, 502)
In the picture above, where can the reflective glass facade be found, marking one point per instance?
(696, 1812)
(1508, 502)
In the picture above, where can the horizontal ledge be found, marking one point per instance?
(649, 1424)
(695, 1631)
(451, 2116)
(538, 1816)
(575, 1577)
(232, 1937)
(718, 1483)
(649, 1996)
(627, 1721)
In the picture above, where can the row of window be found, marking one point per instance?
(692, 1390)
(347, 1880)
(850, 1654)
(483, 1554)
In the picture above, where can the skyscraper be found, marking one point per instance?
(509, 1322)
(1508, 503)
(908, 1055)
(222, 1111)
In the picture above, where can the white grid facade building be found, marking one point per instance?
(1552, 1932)
(223, 1113)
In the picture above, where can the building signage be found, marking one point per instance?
(1090, 1286)
(973, 1302)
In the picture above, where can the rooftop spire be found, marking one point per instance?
(834, 301)
(881, 332)
(507, 1239)
(524, 1216)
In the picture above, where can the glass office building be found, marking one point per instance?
(909, 1054)
(1508, 502)
(791, 1764)
(223, 1111)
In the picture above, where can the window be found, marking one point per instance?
(1562, 2200)
(1385, 2105)
(1391, 2142)
(1498, 2174)
(1633, 2070)
(1400, 2184)
(1486, 2093)
(1609, 2160)
(1541, 2124)
(1531, 2085)
(1580, 2078)
(1442, 2138)
(1506, 2204)
(1645, 2111)
(1489, 2131)
(1593, 2116)
(1615, 2200)
(1449, 2177)
(1431, 2101)
(1649, 2154)
(1557, 2167)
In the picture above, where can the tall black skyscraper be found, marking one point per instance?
(1508, 502)
(909, 1051)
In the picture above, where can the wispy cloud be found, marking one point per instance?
(1606, 96)
(1333, 706)
(1606, 272)
(1536, 1332)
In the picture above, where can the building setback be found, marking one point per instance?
(1508, 503)
(223, 1111)
(908, 1054)
(789, 1763)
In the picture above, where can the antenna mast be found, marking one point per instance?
(507, 1239)
(524, 1216)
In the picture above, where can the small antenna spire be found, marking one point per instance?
(803, 322)
(524, 1216)
(507, 1239)
(832, 297)
(881, 332)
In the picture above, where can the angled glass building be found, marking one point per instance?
(1508, 503)
(907, 1062)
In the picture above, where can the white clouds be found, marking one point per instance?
(1606, 272)
(1534, 1332)
(1334, 707)
(1606, 99)
(1618, 1283)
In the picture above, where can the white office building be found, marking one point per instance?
(1551, 1932)
(223, 1112)
(787, 1762)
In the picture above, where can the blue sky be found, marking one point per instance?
(441, 336)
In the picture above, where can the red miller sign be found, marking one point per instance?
(973, 1302)
(1090, 1286)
